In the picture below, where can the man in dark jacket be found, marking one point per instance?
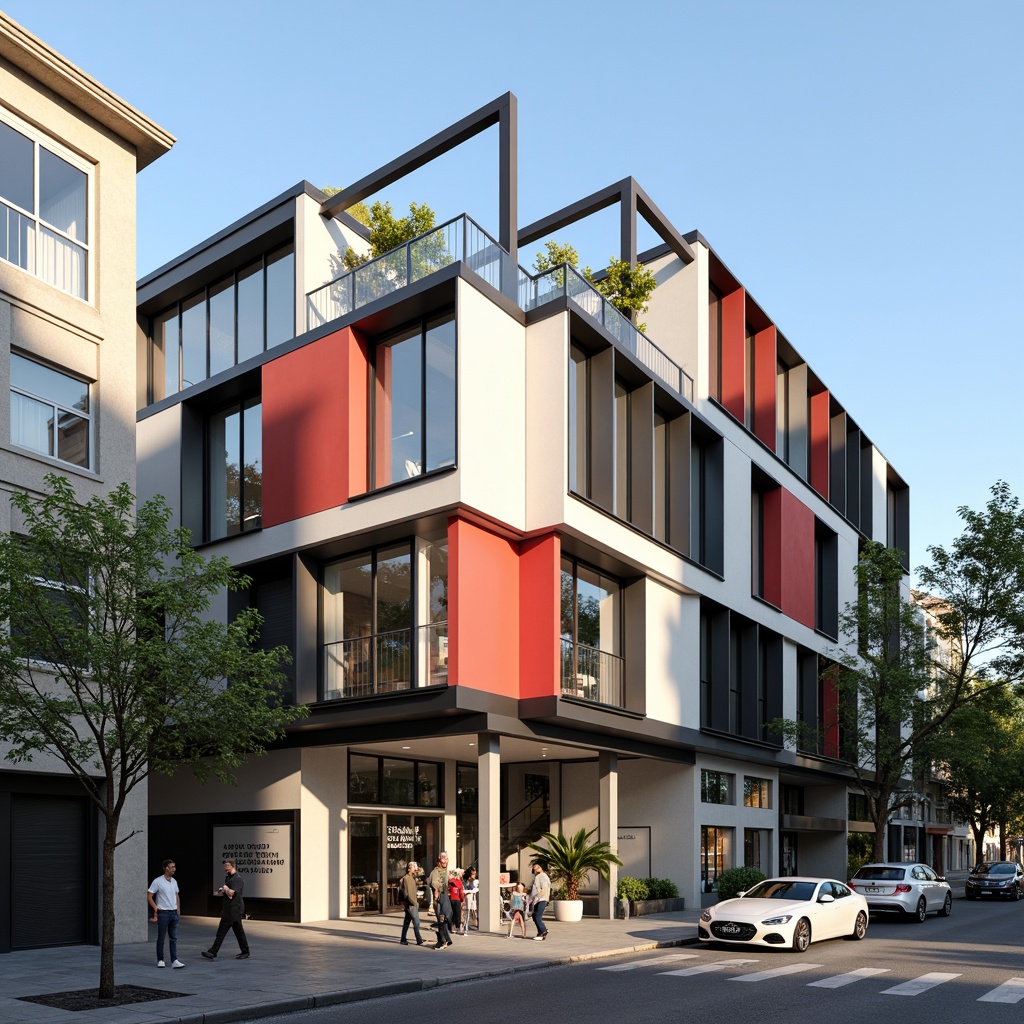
(232, 908)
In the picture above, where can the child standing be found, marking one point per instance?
(517, 909)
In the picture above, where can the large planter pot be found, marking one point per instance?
(568, 910)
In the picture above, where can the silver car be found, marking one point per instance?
(911, 889)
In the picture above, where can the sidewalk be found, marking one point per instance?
(299, 966)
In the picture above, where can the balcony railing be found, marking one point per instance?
(385, 662)
(458, 239)
(565, 281)
(592, 674)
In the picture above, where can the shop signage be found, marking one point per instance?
(262, 855)
(404, 837)
(634, 851)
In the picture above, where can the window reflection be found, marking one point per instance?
(235, 476)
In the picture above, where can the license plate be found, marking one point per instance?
(873, 888)
(729, 929)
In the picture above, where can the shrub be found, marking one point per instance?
(632, 889)
(661, 888)
(737, 880)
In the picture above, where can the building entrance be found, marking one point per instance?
(380, 847)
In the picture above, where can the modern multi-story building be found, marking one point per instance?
(69, 153)
(535, 568)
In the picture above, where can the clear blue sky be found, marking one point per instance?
(857, 165)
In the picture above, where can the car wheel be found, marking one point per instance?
(860, 927)
(947, 906)
(922, 911)
(801, 935)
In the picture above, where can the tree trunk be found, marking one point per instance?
(979, 842)
(107, 938)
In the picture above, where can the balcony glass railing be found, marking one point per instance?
(458, 239)
(464, 239)
(565, 281)
(592, 674)
(385, 662)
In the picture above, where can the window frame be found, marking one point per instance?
(57, 408)
(724, 784)
(40, 140)
(240, 406)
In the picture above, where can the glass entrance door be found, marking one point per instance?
(364, 859)
(380, 847)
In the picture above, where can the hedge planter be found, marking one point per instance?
(641, 908)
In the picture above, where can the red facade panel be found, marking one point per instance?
(483, 609)
(765, 370)
(539, 597)
(787, 554)
(820, 425)
(733, 375)
(314, 427)
(797, 543)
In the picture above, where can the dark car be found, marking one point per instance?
(995, 878)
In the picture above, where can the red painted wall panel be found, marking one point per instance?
(765, 365)
(314, 427)
(733, 378)
(483, 609)
(539, 600)
(820, 421)
(797, 543)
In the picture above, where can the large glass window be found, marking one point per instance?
(395, 781)
(757, 792)
(414, 403)
(44, 199)
(716, 787)
(591, 628)
(367, 609)
(715, 854)
(217, 327)
(234, 488)
(50, 412)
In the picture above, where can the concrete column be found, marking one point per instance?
(608, 826)
(489, 829)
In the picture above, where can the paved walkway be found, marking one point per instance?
(299, 966)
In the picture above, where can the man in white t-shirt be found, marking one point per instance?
(165, 902)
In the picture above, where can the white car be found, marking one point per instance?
(791, 912)
(911, 889)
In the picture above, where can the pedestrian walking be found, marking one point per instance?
(165, 901)
(471, 885)
(438, 882)
(408, 893)
(232, 907)
(539, 896)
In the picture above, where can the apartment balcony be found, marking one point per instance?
(462, 239)
(389, 662)
(592, 674)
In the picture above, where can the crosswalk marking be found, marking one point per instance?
(839, 980)
(717, 965)
(918, 985)
(776, 972)
(1011, 991)
(663, 959)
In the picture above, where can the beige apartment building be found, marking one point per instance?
(69, 153)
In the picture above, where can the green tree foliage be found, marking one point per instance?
(571, 860)
(627, 288)
(111, 664)
(982, 757)
(360, 211)
(388, 232)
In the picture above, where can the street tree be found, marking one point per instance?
(111, 664)
(982, 758)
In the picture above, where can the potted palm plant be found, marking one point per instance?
(569, 862)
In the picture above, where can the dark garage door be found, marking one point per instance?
(49, 860)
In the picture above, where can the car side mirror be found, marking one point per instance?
(940, 878)
(826, 897)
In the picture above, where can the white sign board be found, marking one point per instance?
(634, 851)
(262, 855)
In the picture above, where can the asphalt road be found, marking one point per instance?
(970, 965)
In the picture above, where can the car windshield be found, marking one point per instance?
(780, 889)
(994, 869)
(881, 874)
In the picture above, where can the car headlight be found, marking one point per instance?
(706, 916)
(783, 919)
